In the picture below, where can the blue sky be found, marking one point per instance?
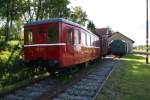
(125, 16)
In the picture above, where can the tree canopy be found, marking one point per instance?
(78, 15)
(13, 13)
(91, 26)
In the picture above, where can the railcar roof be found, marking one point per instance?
(55, 20)
(52, 20)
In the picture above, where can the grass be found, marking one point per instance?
(141, 51)
(129, 81)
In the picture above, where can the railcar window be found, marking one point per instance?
(69, 36)
(40, 33)
(88, 40)
(96, 42)
(76, 37)
(28, 37)
(83, 39)
(53, 34)
(92, 41)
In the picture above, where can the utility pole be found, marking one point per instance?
(147, 31)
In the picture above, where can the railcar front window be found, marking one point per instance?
(29, 37)
(53, 34)
(69, 36)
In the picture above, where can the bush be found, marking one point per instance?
(4, 56)
(10, 54)
(2, 38)
(12, 68)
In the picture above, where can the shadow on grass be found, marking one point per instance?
(135, 60)
(133, 56)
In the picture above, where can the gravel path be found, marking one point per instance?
(88, 87)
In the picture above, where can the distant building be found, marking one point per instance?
(119, 36)
(104, 32)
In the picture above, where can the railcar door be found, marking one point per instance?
(77, 46)
(40, 36)
(69, 55)
(53, 41)
(40, 41)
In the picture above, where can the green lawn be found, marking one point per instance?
(129, 81)
(142, 51)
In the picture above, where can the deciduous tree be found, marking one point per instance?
(91, 26)
(78, 15)
(10, 11)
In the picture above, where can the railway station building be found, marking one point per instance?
(120, 36)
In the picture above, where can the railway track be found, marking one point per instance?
(83, 86)
(32, 91)
(89, 86)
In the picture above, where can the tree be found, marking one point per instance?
(110, 31)
(91, 26)
(10, 10)
(79, 16)
(29, 10)
(57, 8)
(44, 9)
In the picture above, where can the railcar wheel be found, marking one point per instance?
(69, 71)
(85, 64)
(51, 71)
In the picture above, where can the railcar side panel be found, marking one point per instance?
(77, 49)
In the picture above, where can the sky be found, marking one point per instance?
(125, 16)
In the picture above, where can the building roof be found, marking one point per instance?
(101, 31)
(115, 33)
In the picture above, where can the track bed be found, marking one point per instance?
(88, 87)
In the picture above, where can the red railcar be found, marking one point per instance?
(58, 43)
